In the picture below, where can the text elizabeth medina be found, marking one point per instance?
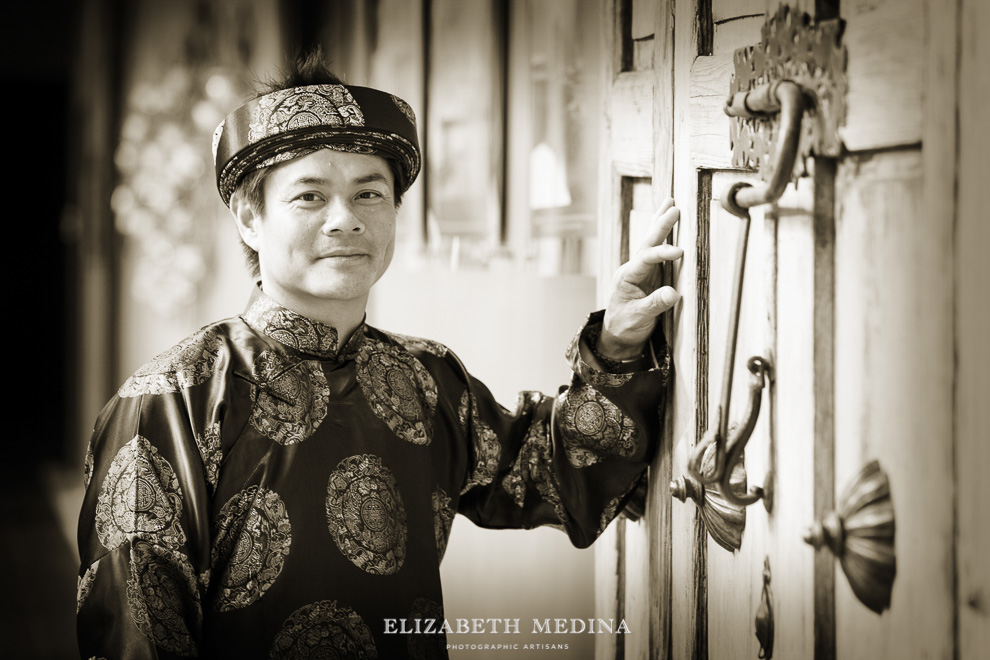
(504, 626)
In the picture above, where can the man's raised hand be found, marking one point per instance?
(637, 298)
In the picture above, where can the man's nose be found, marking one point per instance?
(340, 217)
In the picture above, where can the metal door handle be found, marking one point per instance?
(730, 444)
(786, 98)
(783, 97)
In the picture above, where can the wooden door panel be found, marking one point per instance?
(736, 33)
(626, 554)
(792, 414)
(885, 40)
(719, 591)
(688, 632)
(637, 597)
(709, 128)
(735, 580)
(893, 388)
(632, 123)
(731, 10)
(972, 270)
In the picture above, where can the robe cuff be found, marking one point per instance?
(608, 373)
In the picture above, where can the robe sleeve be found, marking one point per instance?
(143, 531)
(571, 460)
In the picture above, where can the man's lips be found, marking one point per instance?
(343, 254)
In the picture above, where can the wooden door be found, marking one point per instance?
(858, 291)
(633, 180)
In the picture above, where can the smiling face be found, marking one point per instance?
(326, 234)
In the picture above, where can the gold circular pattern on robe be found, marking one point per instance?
(425, 646)
(443, 518)
(140, 496)
(85, 583)
(208, 443)
(290, 398)
(188, 363)
(251, 536)
(593, 428)
(366, 516)
(399, 389)
(487, 451)
(324, 631)
(163, 597)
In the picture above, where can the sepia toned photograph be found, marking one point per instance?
(498, 329)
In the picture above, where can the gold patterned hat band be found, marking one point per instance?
(291, 122)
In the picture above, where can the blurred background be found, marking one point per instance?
(111, 106)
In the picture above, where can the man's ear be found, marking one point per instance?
(246, 219)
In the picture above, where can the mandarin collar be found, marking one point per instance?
(299, 332)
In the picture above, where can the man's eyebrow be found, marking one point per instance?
(311, 181)
(369, 178)
(319, 181)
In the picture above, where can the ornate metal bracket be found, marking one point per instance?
(723, 520)
(785, 99)
(860, 533)
(811, 56)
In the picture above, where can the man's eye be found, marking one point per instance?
(370, 194)
(309, 197)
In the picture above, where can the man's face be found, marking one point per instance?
(328, 229)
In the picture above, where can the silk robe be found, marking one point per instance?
(259, 491)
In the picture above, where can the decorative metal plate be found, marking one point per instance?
(810, 54)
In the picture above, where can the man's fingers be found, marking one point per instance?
(663, 221)
(663, 299)
(641, 266)
(657, 253)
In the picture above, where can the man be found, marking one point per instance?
(282, 484)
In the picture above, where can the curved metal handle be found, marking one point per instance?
(719, 431)
(786, 98)
(728, 453)
(740, 437)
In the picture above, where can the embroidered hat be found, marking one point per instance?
(291, 122)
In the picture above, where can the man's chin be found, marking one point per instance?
(341, 290)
